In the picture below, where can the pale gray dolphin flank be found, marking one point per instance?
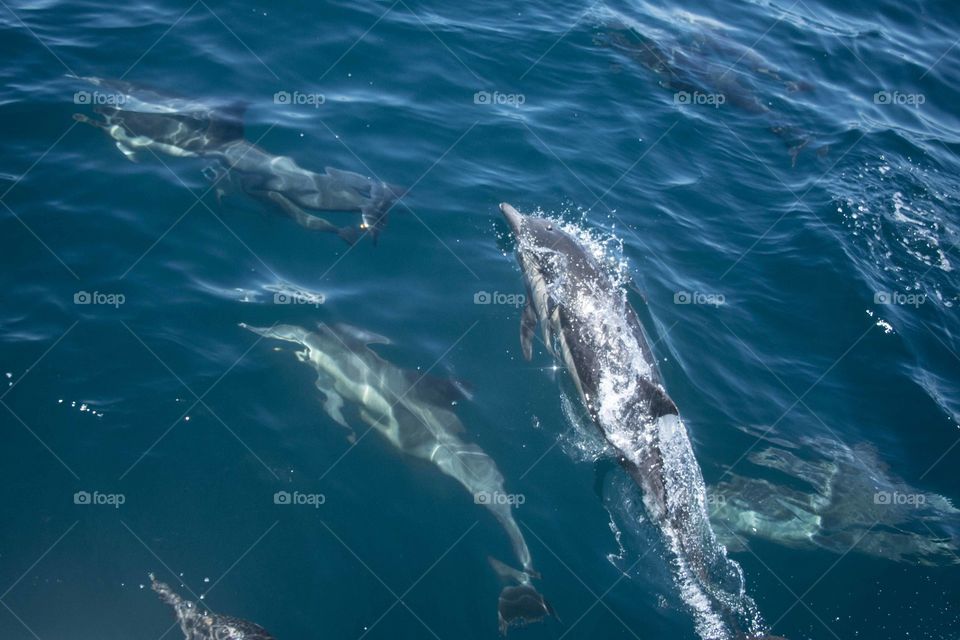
(189, 135)
(414, 415)
(198, 624)
(590, 327)
(139, 119)
(279, 180)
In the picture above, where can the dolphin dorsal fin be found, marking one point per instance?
(228, 125)
(349, 178)
(437, 390)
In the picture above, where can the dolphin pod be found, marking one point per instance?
(585, 320)
(142, 120)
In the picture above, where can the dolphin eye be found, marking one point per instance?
(549, 227)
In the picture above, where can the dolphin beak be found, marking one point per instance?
(514, 218)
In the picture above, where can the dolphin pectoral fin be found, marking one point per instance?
(129, 153)
(437, 390)
(215, 174)
(79, 117)
(333, 406)
(528, 326)
(303, 218)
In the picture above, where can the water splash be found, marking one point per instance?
(898, 215)
(710, 584)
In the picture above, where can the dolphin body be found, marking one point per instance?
(819, 504)
(280, 181)
(693, 69)
(198, 624)
(413, 415)
(590, 327)
(184, 135)
(138, 118)
(141, 119)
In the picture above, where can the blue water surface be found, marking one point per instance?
(793, 249)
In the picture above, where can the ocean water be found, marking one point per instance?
(778, 178)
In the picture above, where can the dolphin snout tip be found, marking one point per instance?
(512, 216)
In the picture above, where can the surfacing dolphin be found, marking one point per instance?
(412, 412)
(590, 327)
(198, 624)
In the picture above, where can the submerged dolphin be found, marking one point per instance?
(139, 119)
(198, 624)
(413, 414)
(693, 69)
(278, 180)
(180, 135)
(588, 324)
(836, 497)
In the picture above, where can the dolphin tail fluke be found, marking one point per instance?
(519, 604)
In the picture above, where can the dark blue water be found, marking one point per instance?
(817, 201)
